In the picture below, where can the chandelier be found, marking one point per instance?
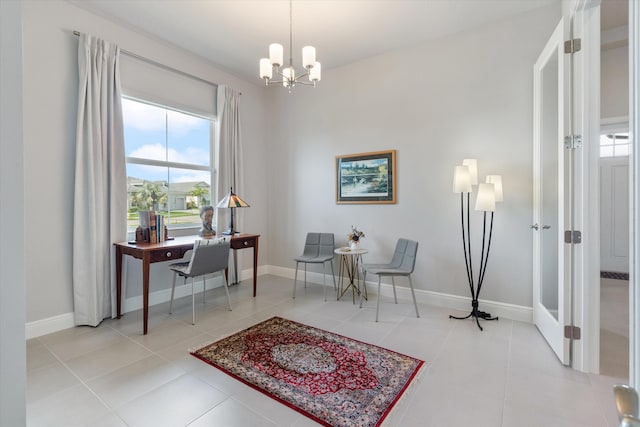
(275, 62)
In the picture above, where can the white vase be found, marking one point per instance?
(354, 246)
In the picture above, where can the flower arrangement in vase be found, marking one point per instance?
(354, 238)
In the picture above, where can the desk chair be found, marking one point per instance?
(208, 256)
(402, 264)
(318, 249)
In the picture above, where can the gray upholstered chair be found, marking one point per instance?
(318, 249)
(626, 399)
(402, 264)
(209, 256)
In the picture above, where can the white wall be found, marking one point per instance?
(468, 95)
(50, 97)
(614, 101)
(12, 278)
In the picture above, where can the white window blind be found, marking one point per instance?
(142, 79)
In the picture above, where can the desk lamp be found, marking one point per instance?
(231, 201)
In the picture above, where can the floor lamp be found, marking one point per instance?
(489, 193)
(231, 201)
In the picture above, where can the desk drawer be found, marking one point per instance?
(243, 242)
(168, 254)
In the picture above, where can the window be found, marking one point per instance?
(169, 163)
(614, 144)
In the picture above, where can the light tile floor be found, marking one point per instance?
(614, 327)
(112, 375)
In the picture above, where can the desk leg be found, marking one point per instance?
(255, 267)
(146, 261)
(235, 267)
(119, 281)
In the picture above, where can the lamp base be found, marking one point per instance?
(477, 314)
(230, 232)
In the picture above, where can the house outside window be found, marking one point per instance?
(169, 157)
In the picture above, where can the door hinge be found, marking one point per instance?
(572, 236)
(572, 46)
(573, 141)
(572, 332)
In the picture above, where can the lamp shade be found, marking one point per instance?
(308, 56)
(231, 200)
(496, 180)
(472, 164)
(289, 75)
(486, 200)
(266, 69)
(461, 180)
(276, 52)
(315, 72)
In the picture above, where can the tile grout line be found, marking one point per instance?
(506, 377)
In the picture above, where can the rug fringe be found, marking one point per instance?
(417, 379)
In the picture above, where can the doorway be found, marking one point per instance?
(614, 190)
(614, 250)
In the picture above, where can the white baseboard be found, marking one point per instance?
(519, 313)
(49, 325)
(60, 322)
(508, 311)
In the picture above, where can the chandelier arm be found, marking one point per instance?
(273, 82)
(280, 73)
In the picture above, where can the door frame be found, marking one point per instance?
(585, 21)
(634, 189)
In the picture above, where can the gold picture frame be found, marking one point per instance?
(366, 178)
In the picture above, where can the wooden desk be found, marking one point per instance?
(167, 251)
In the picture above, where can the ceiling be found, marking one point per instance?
(235, 34)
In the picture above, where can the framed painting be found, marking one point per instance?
(366, 177)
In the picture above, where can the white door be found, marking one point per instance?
(552, 213)
(614, 201)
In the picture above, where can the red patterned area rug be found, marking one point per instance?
(332, 379)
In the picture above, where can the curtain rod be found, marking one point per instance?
(158, 64)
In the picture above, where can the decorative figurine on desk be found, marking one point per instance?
(207, 231)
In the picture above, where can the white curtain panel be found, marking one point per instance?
(100, 197)
(230, 163)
